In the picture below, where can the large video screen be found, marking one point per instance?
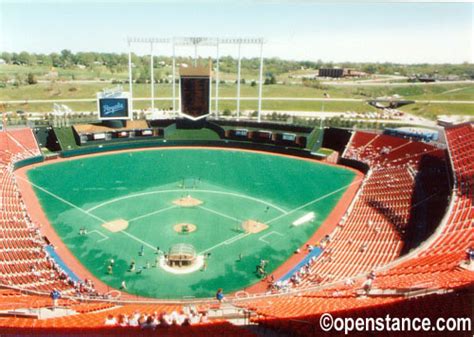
(113, 108)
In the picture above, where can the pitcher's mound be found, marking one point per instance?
(252, 226)
(116, 225)
(184, 228)
(188, 201)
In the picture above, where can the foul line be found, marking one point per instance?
(86, 212)
(63, 200)
(219, 213)
(226, 242)
(139, 240)
(152, 213)
(186, 191)
(313, 201)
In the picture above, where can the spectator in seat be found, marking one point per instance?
(110, 321)
(204, 318)
(165, 319)
(371, 275)
(55, 296)
(133, 321)
(123, 320)
(367, 285)
(470, 255)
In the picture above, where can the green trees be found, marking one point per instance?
(66, 58)
(26, 58)
(31, 79)
(270, 79)
(274, 67)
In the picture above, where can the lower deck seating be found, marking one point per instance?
(23, 261)
(300, 315)
(440, 264)
(391, 214)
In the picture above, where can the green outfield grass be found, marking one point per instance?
(67, 91)
(140, 188)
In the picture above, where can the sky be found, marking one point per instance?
(401, 32)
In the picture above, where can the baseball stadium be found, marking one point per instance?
(186, 221)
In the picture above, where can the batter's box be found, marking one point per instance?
(103, 237)
(267, 237)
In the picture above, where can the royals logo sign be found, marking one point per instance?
(113, 108)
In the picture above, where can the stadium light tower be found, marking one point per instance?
(248, 41)
(196, 42)
(216, 113)
(239, 66)
(152, 79)
(260, 84)
(152, 42)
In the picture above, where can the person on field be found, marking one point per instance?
(132, 266)
(220, 295)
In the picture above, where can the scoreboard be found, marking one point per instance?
(195, 96)
(195, 91)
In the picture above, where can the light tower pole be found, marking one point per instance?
(174, 77)
(130, 77)
(217, 80)
(152, 79)
(238, 81)
(260, 84)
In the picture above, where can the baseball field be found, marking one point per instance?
(234, 207)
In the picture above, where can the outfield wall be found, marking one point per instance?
(28, 161)
(170, 143)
